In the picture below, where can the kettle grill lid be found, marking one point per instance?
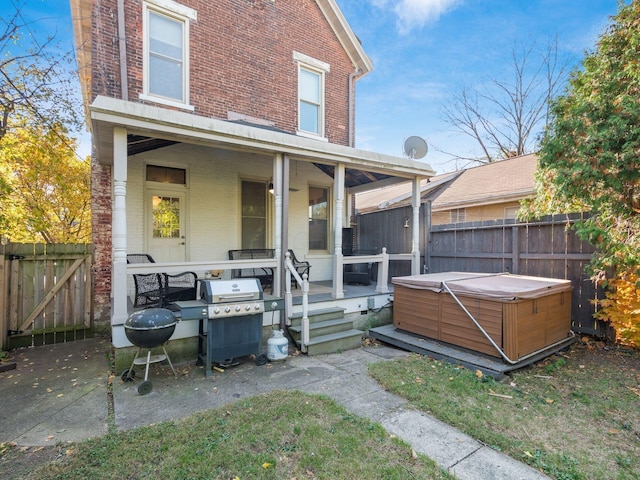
(151, 319)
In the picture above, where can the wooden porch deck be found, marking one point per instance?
(321, 292)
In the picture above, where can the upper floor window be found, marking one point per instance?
(311, 95)
(166, 52)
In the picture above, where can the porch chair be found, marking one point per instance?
(359, 273)
(160, 289)
(301, 267)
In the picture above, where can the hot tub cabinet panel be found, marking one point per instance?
(521, 314)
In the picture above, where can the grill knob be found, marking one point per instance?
(247, 307)
(216, 310)
(227, 309)
(237, 308)
(257, 306)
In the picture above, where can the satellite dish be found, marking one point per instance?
(415, 147)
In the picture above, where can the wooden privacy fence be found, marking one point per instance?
(46, 294)
(545, 248)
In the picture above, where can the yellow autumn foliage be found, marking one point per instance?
(621, 307)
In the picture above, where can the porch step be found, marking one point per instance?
(335, 342)
(329, 331)
(317, 329)
(320, 315)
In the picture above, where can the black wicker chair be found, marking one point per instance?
(159, 289)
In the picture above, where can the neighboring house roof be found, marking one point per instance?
(508, 180)
(398, 195)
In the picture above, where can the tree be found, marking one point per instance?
(47, 194)
(44, 187)
(505, 119)
(590, 158)
(37, 84)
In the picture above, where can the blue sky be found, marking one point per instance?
(424, 51)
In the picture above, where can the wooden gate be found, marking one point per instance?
(46, 294)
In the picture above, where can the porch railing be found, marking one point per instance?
(382, 259)
(303, 281)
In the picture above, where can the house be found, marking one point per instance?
(488, 192)
(198, 111)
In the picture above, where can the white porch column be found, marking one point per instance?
(119, 228)
(338, 197)
(415, 227)
(278, 200)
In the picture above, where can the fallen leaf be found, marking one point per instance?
(613, 431)
(479, 374)
(549, 401)
(60, 395)
(528, 454)
(266, 465)
(414, 455)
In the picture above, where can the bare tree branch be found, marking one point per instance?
(504, 118)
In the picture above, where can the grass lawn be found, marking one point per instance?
(280, 435)
(575, 415)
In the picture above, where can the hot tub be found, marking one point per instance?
(519, 314)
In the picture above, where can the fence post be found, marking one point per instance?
(4, 321)
(515, 249)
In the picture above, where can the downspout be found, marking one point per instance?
(122, 45)
(352, 107)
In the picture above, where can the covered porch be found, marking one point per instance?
(217, 160)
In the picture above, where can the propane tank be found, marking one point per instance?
(277, 346)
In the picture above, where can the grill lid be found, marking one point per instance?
(150, 319)
(235, 290)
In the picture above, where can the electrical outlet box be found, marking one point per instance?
(371, 303)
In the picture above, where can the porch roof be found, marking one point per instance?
(175, 126)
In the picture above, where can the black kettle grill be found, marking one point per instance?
(149, 328)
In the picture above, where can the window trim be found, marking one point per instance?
(457, 212)
(320, 68)
(183, 15)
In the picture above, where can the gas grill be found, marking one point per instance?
(230, 320)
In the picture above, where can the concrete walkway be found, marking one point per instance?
(60, 394)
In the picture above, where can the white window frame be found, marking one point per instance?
(511, 213)
(178, 13)
(458, 215)
(320, 68)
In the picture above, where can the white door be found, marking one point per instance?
(166, 239)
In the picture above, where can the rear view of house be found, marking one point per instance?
(222, 126)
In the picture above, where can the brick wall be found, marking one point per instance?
(101, 218)
(241, 59)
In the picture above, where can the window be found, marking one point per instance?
(511, 212)
(458, 215)
(311, 74)
(166, 45)
(254, 214)
(166, 216)
(175, 176)
(310, 101)
(318, 218)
